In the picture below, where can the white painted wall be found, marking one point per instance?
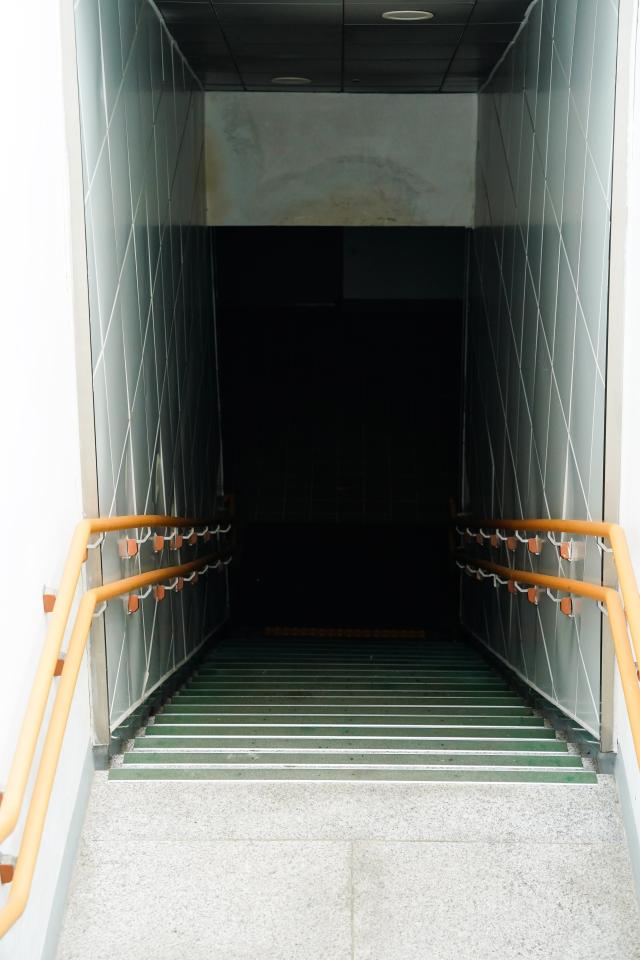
(628, 395)
(40, 481)
(330, 159)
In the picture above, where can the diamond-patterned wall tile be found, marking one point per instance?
(535, 403)
(152, 324)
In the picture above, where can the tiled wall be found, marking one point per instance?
(152, 324)
(538, 330)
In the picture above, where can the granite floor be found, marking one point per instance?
(272, 871)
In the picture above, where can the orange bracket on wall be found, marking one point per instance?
(133, 603)
(48, 602)
(127, 548)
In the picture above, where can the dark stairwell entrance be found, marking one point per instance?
(340, 361)
(341, 385)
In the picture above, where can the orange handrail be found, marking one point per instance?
(626, 642)
(614, 533)
(13, 797)
(13, 794)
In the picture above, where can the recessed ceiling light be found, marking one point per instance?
(407, 15)
(291, 81)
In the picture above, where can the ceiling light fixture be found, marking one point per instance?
(291, 81)
(407, 15)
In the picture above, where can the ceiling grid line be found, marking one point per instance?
(230, 51)
(444, 79)
(351, 46)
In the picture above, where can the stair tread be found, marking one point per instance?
(450, 743)
(342, 719)
(356, 710)
(335, 730)
(370, 758)
(177, 707)
(407, 699)
(351, 773)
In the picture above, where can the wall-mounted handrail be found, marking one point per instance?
(612, 532)
(13, 794)
(47, 669)
(626, 642)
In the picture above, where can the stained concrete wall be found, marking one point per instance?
(335, 160)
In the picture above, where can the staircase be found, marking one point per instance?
(365, 709)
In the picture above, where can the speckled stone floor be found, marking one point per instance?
(351, 871)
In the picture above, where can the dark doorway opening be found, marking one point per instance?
(340, 361)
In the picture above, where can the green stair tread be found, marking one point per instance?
(251, 709)
(342, 651)
(275, 673)
(410, 684)
(356, 730)
(356, 664)
(310, 719)
(408, 699)
(448, 776)
(372, 759)
(461, 743)
(334, 658)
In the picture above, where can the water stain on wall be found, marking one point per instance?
(218, 196)
(332, 160)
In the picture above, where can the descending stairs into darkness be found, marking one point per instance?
(331, 708)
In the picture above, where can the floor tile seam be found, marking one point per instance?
(498, 783)
(354, 842)
(352, 904)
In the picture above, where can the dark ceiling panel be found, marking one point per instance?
(314, 69)
(321, 73)
(266, 86)
(348, 46)
(291, 51)
(402, 33)
(401, 71)
(481, 51)
(490, 32)
(401, 51)
(365, 11)
(393, 88)
(185, 11)
(470, 68)
(285, 34)
(199, 32)
(500, 11)
(271, 16)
